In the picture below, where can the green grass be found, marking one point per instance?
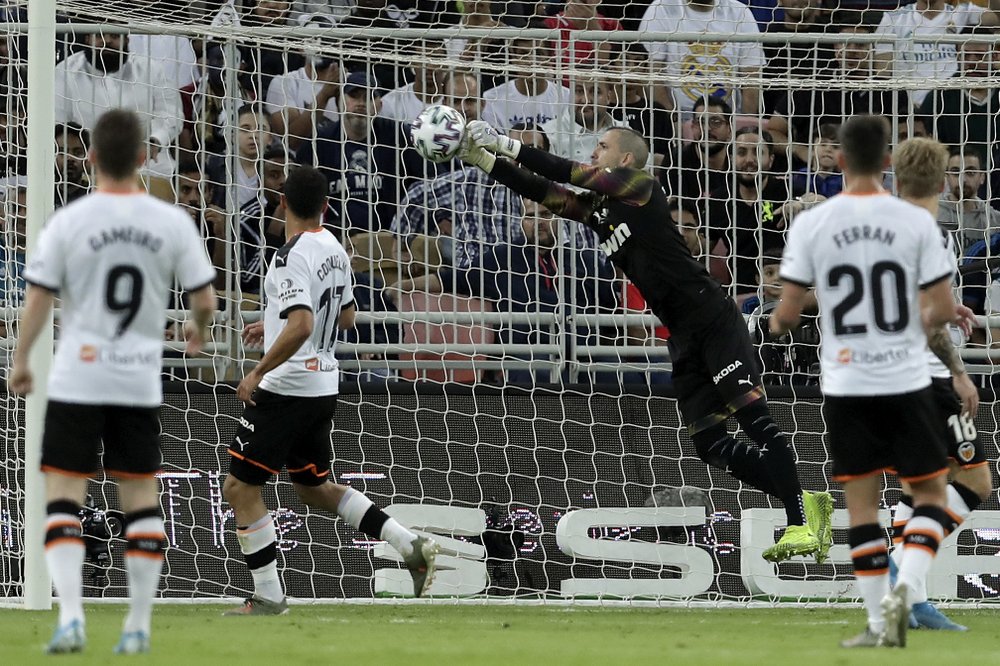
(446, 635)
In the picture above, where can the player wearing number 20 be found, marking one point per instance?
(112, 257)
(291, 396)
(883, 282)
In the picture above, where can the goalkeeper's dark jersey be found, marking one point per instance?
(628, 210)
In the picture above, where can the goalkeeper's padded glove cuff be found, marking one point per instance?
(508, 147)
(485, 160)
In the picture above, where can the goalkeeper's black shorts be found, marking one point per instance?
(284, 431)
(964, 446)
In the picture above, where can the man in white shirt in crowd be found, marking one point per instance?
(528, 96)
(405, 103)
(713, 63)
(574, 133)
(300, 100)
(930, 60)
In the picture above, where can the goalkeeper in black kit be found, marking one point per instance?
(714, 369)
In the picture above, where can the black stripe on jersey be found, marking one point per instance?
(281, 256)
(298, 306)
(931, 283)
(346, 305)
(805, 285)
(200, 286)
(35, 283)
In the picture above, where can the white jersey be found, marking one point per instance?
(930, 60)
(403, 105)
(311, 271)
(505, 106)
(709, 67)
(938, 369)
(113, 259)
(868, 257)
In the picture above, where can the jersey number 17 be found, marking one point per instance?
(329, 301)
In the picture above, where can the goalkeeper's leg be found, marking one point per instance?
(419, 553)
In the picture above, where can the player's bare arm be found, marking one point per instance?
(794, 298)
(937, 307)
(202, 313)
(297, 330)
(38, 304)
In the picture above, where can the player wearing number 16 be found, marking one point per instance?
(291, 396)
(112, 257)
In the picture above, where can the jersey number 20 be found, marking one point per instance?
(882, 272)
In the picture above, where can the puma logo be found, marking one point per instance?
(745, 381)
(241, 443)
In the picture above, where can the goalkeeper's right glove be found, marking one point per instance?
(475, 155)
(486, 137)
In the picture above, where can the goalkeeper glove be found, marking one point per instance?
(475, 155)
(486, 137)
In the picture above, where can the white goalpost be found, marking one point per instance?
(522, 411)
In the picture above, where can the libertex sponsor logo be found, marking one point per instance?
(848, 356)
(93, 354)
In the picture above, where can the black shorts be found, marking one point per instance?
(715, 370)
(959, 432)
(71, 443)
(886, 433)
(284, 430)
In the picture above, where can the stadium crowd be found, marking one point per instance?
(738, 161)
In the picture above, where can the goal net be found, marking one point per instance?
(506, 388)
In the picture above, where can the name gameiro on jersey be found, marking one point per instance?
(868, 256)
(113, 259)
(310, 271)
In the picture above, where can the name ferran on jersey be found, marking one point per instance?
(114, 259)
(868, 256)
(311, 271)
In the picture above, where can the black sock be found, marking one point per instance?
(968, 495)
(372, 522)
(741, 461)
(777, 457)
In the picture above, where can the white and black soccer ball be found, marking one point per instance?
(437, 132)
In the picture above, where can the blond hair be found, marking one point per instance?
(919, 165)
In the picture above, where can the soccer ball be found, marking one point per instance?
(437, 132)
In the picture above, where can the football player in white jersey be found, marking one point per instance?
(291, 396)
(919, 166)
(112, 257)
(883, 283)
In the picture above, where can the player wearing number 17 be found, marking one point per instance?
(291, 396)
(883, 282)
(112, 257)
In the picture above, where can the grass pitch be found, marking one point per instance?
(445, 635)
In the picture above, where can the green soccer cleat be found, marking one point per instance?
(819, 518)
(797, 540)
(258, 606)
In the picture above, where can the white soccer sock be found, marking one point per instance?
(873, 583)
(921, 539)
(362, 514)
(143, 562)
(64, 553)
(259, 543)
(901, 514)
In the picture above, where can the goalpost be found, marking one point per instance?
(568, 487)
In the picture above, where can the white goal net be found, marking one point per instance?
(506, 388)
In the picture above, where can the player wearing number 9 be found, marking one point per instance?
(113, 257)
(291, 396)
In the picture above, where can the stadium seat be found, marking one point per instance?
(426, 333)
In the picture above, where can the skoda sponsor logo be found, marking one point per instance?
(725, 372)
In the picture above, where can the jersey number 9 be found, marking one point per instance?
(123, 294)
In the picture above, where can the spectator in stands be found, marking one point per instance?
(405, 103)
(302, 100)
(980, 267)
(194, 194)
(104, 76)
(919, 125)
(264, 62)
(466, 209)
(535, 276)
(582, 15)
(823, 175)
(72, 179)
(795, 59)
(253, 135)
(262, 222)
(961, 211)
(969, 117)
(685, 215)
(364, 158)
(174, 53)
(462, 93)
(333, 10)
(13, 244)
(703, 164)
(801, 110)
(748, 217)
(635, 106)
(574, 133)
(483, 52)
(716, 63)
(528, 95)
(931, 61)
(13, 136)
(206, 104)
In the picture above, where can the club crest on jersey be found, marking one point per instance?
(725, 371)
(967, 451)
(616, 239)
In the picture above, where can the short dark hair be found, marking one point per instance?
(118, 138)
(713, 100)
(275, 152)
(683, 206)
(530, 125)
(762, 133)
(188, 165)
(254, 108)
(73, 129)
(966, 151)
(827, 132)
(864, 142)
(306, 192)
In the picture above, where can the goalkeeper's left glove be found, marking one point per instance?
(486, 137)
(475, 155)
